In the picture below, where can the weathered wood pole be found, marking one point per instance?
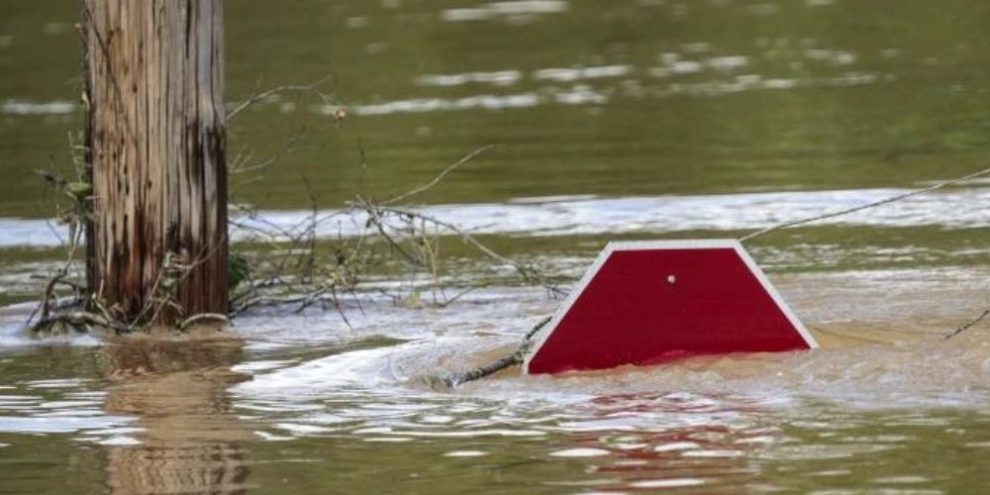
(156, 133)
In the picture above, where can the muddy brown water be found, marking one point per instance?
(614, 120)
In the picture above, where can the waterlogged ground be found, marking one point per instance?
(613, 120)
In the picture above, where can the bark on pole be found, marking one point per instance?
(156, 132)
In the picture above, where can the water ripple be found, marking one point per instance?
(956, 208)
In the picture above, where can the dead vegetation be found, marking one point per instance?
(277, 266)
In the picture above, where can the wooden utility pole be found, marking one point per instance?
(156, 137)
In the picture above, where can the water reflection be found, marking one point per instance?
(676, 440)
(187, 440)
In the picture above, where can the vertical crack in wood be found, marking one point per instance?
(157, 148)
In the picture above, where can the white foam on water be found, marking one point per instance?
(728, 63)
(119, 441)
(14, 333)
(955, 208)
(676, 446)
(465, 453)
(303, 430)
(496, 10)
(356, 368)
(63, 424)
(26, 107)
(668, 483)
(834, 57)
(571, 74)
(497, 78)
(67, 383)
(713, 453)
(419, 105)
(580, 452)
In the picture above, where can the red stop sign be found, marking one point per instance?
(644, 303)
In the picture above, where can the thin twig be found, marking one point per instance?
(517, 357)
(527, 273)
(81, 320)
(486, 370)
(309, 88)
(892, 199)
(967, 326)
(59, 278)
(847, 211)
(436, 180)
(536, 328)
(241, 166)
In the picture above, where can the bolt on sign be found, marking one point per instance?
(649, 302)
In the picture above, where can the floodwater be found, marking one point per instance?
(612, 120)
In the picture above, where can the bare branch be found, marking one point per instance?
(528, 274)
(874, 204)
(499, 364)
(967, 326)
(241, 166)
(309, 88)
(436, 180)
(81, 320)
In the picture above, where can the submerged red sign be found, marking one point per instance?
(644, 303)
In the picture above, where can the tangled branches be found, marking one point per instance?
(277, 265)
(392, 235)
(74, 215)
